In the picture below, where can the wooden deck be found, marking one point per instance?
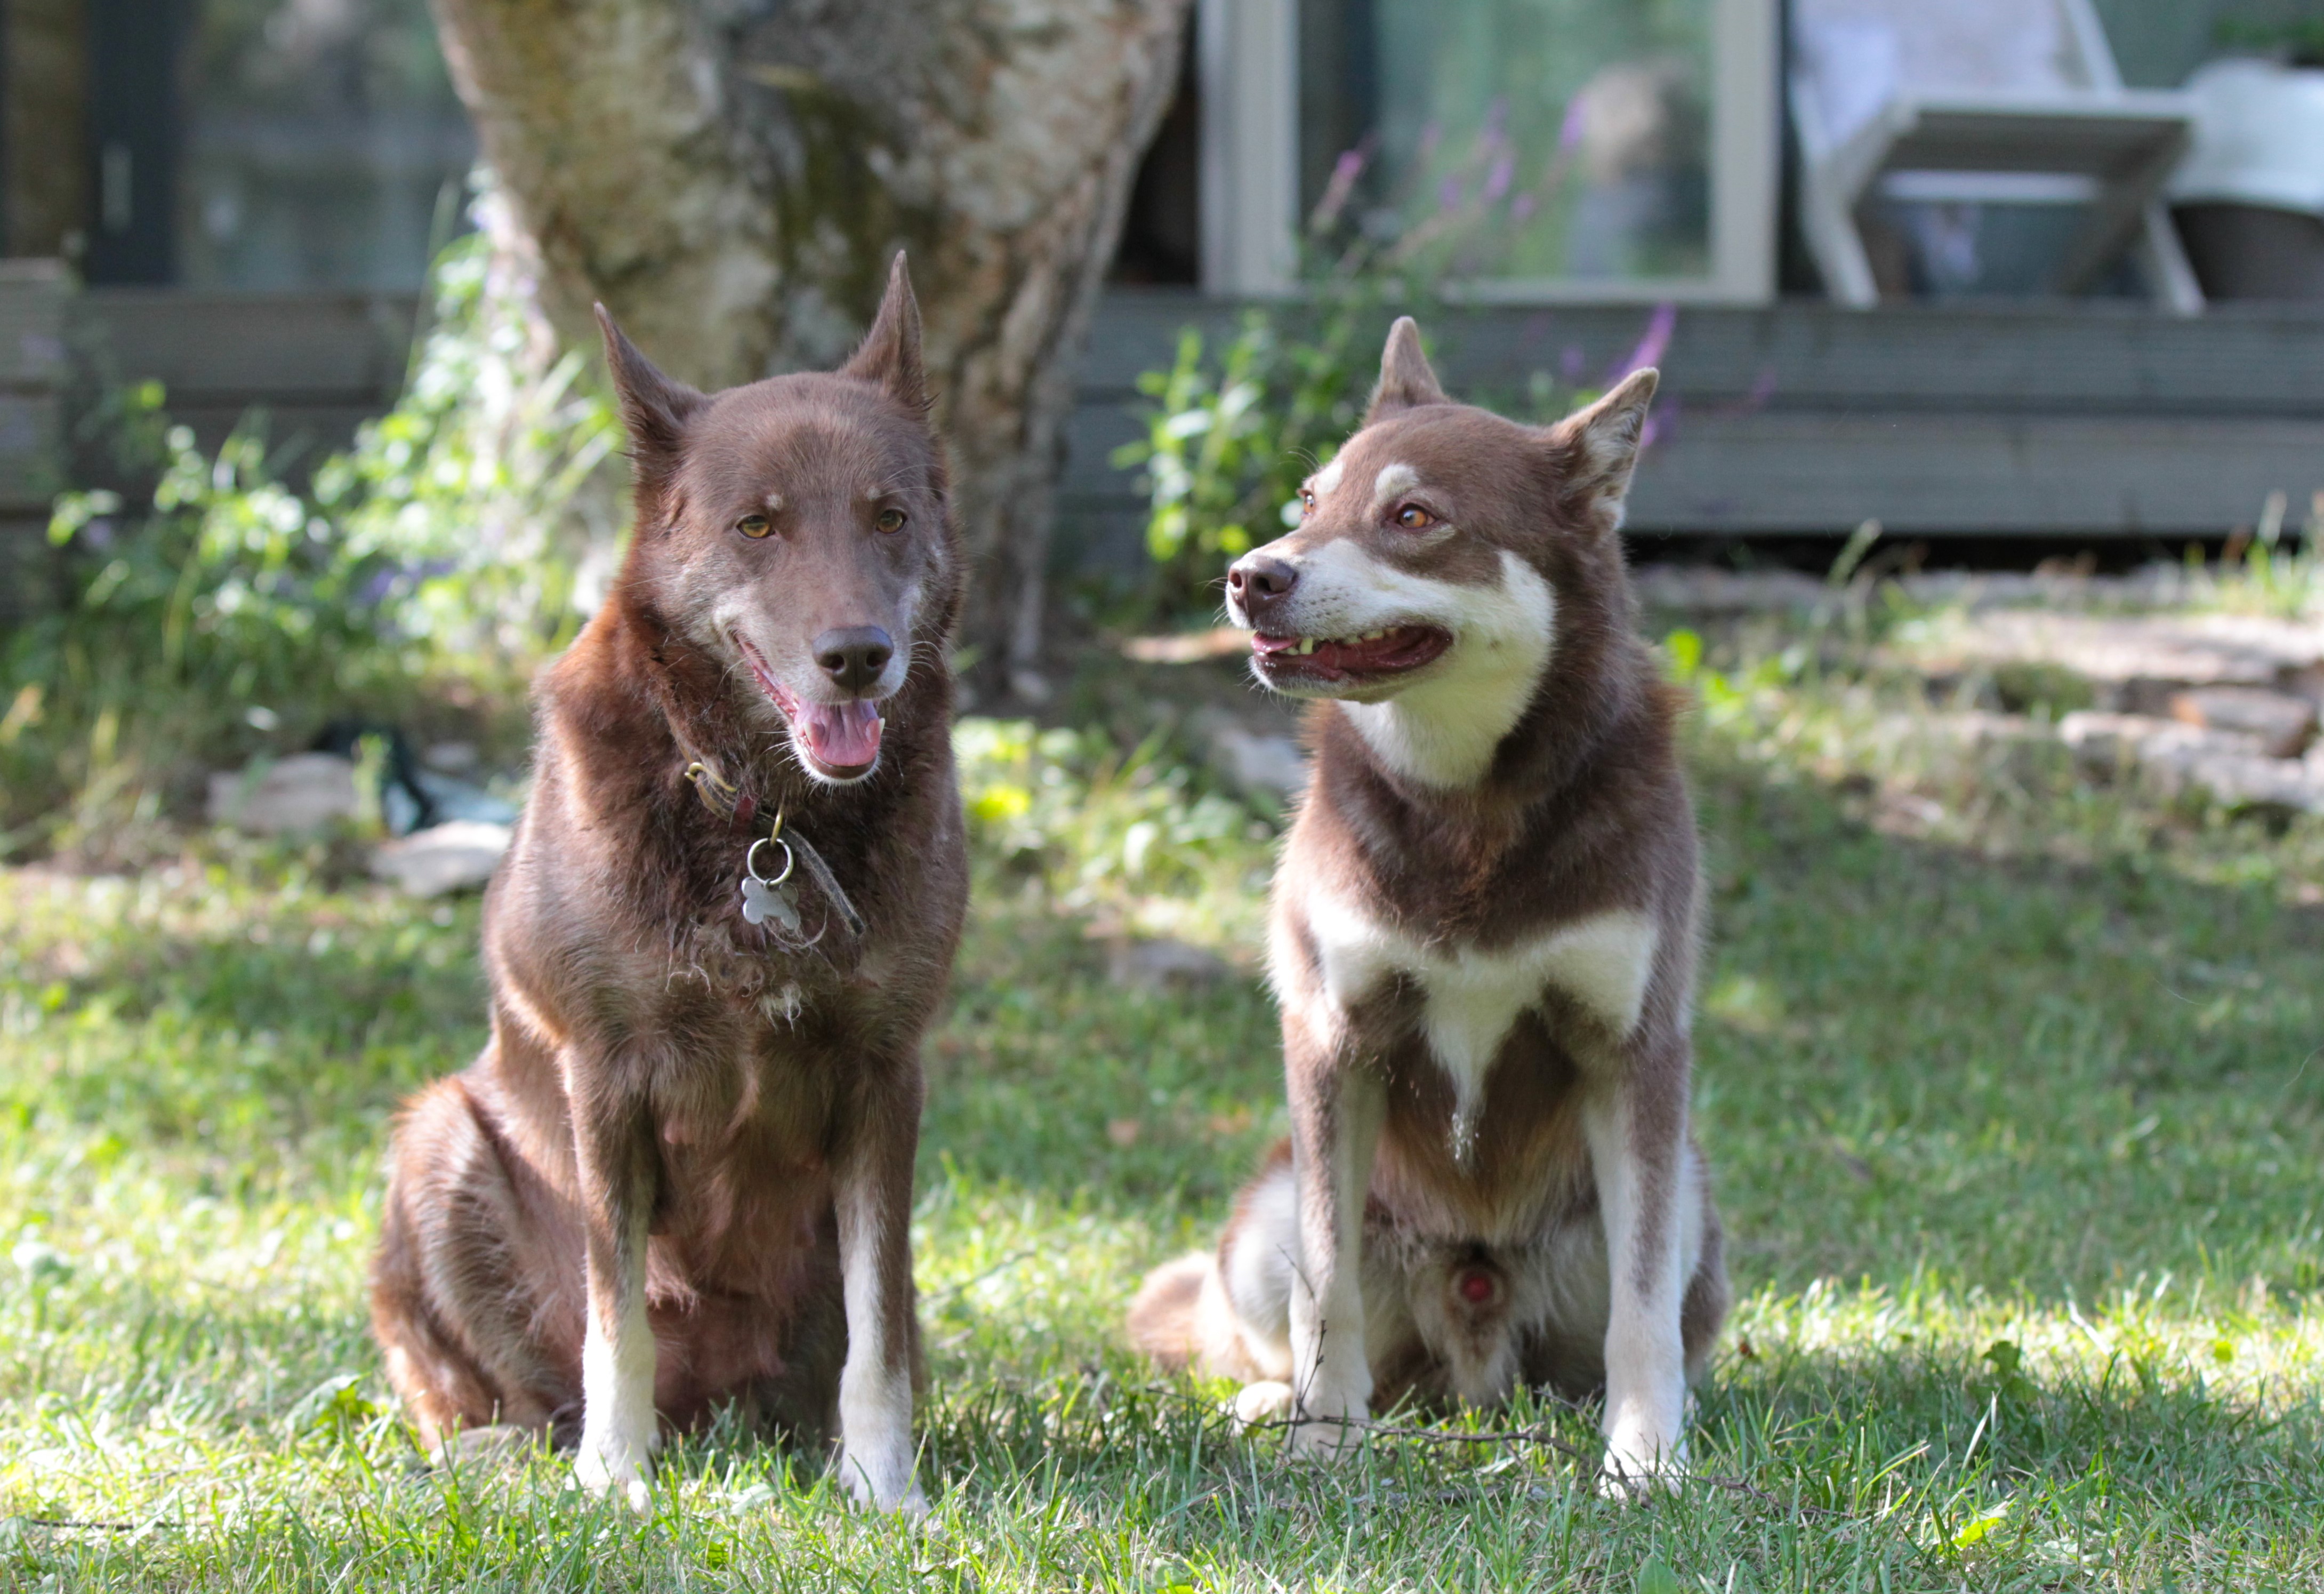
(2085, 419)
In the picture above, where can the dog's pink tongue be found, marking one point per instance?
(844, 735)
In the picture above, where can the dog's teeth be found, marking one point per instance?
(1306, 644)
(1374, 635)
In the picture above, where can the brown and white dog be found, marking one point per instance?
(1483, 941)
(680, 1172)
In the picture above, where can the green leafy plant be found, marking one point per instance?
(189, 628)
(226, 614)
(1227, 444)
(1229, 434)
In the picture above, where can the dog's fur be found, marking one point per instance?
(680, 1172)
(1483, 941)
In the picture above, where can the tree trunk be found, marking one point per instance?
(731, 178)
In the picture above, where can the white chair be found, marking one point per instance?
(1981, 102)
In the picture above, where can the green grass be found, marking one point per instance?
(2016, 1125)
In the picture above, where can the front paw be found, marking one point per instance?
(614, 1470)
(1267, 1402)
(1638, 1466)
(881, 1484)
(1328, 1426)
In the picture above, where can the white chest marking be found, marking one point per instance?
(1469, 999)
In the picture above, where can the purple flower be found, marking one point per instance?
(1448, 194)
(1522, 207)
(1661, 419)
(1651, 346)
(1497, 180)
(1569, 131)
(1348, 167)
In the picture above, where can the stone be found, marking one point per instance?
(2281, 723)
(1164, 963)
(2107, 743)
(2133, 662)
(1268, 763)
(2232, 765)
(285, 796)
(456, 857)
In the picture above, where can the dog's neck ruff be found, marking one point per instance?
(1442, 732)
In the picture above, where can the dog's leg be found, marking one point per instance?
(1335, 1124)
(1636, 1122)
(614, 1141)
(873, 1189)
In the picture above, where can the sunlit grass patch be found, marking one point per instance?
(2016, 1137)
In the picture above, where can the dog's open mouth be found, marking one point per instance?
(839, 741)
(1347, 661)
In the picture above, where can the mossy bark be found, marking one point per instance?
(731, 179)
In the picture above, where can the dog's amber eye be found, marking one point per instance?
(754, 525)
(1307, 501)
(891, 520)
(1412, 517)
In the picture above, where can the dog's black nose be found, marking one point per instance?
(853, 656)
(1258, 582)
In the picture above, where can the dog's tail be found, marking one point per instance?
(1164, 1320)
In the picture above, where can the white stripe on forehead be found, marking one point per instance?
(1326, 480)
(1392, 480)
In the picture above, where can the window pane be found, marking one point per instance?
(1512, 138)
(325, 148)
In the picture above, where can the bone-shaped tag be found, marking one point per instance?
(763, 902)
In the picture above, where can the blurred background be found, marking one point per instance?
(2086, 236)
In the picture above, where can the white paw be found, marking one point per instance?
(620, 1474)
(1268, 1401)
(1329, 1424)
(881, 1484)
(1637, 1467)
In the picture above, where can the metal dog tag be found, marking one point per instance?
(763, 898)
(763, 902)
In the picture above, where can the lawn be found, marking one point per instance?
(2011, 1104)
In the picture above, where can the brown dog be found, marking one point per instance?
(1484, 940)
(681, 1171)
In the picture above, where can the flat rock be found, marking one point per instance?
(2133, 662)
(2281, 722)
(1708, 591)
(1266, 762)
(456, 857)
(2232, 765)
(1164, 963)
(284, 796)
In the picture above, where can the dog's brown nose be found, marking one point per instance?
(853, 656)
(1258, 582)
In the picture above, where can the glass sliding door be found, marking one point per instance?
(1617, 149)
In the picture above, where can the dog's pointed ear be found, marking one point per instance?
(1406, 380)
(890, 354)
(654, 408)
(1598, 447)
